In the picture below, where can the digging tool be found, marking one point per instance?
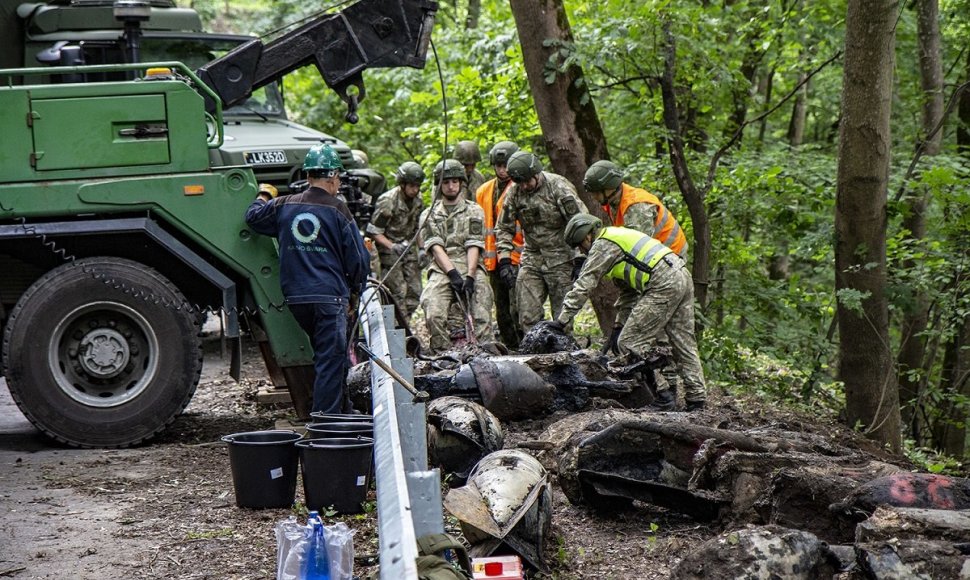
(466, 308)
(419, 396)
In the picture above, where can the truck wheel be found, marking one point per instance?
(102, 352)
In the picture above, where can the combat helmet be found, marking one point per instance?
(449, 169)
(409, 172)
(467, 152)
(579, 226)
(500, 152)
(603, 176)
(523, 166)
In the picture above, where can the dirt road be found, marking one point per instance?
(163, 510)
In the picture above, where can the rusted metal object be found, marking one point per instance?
(510, 390)
(460, 433)
(530, 386)
(507, 501)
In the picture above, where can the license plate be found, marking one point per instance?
(276, 157)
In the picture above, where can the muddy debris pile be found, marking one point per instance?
(792, 503)
(813, 494)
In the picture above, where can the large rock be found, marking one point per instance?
(766, 552)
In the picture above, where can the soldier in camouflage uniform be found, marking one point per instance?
(468, 153)
(632, 207)
(393, 227)
(454, 235)
(637, 209)
(656, 293)
(541, 203)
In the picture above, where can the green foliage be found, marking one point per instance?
(933, 461)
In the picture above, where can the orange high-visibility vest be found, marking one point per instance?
(667, 229)
(484, 198)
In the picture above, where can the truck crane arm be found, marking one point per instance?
(368, 34)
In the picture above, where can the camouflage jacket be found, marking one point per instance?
(455, 228)
(543, 215)
(396, 217)
(475, 180)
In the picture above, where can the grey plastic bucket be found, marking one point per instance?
(338, 430)
(321, 417)
(336, 472)
(264, 467)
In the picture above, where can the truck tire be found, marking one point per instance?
(102, 352)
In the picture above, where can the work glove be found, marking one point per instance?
(577, 267)
(612, 344)
(268, 189)
(506, 271)
(455, 281)
(399, 248)
(468, 288)
(424, 260)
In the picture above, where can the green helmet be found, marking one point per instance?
(603, 176)
(322, 158)
(468, 152)
(409, 172)
(579, 226)
(500, 152)
(449, 169)
(523, 166)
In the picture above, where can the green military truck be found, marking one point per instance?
(69, 32)
(121, 222)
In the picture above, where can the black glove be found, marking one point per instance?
(468, 288)
(455, 280)
(399, 248)
(577, 267)
(557, 326)
(506, 271)
(612, 344)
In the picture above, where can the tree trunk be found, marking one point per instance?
(963, 114)
(693, 197)
(866, 363)
(570, 126)
(765, 90)
(930, 72)
(950, 432)
(912, 347)
(799, 112)
(474, 12)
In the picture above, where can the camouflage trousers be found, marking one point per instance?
(667, 307)
(438, 297)
(534, 284)
(403, 282)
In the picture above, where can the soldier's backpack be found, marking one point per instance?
(432, 564)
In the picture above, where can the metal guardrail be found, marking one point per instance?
(408, 493)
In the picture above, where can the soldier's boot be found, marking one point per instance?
(691, 406)
(665, 400)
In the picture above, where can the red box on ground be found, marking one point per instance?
(497, 568)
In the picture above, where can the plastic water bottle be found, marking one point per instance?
(317, 560)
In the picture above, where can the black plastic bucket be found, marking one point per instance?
(321, 417)
(336, 472)
(338, 430)
(263, 467)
